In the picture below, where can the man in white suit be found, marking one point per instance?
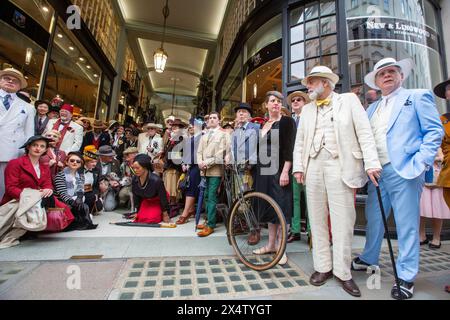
(16, 119)
(150, 142)
(71, 132)
(334, 152)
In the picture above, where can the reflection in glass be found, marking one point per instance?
(297, 33)
(312, 29)
(331, 62)
(312, 48)
(327, 7)
(298, 52)
(329, 45)
(328, 25)
(311, 63)
(297, 16)
(268, 33)
(312, 11)
(297, 71)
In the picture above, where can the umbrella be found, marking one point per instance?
(391, 252)
(202, 188)
(147, 225)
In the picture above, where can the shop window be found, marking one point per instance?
(40, 11)
(317, 22)
(73, 74)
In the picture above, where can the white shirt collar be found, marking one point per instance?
(3, 94)
(393, 94)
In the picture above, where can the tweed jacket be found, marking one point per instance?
(213, 150)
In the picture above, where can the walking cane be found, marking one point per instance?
(388, 238)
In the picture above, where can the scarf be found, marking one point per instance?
(63, 131)
(75, 184)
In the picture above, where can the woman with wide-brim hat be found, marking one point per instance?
(54, 157)
(173, 158)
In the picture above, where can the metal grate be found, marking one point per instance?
(203, 278)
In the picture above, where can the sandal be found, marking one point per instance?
(182, 220)
(263, 250)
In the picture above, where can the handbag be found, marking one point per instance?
(58, 219)
(184, 182)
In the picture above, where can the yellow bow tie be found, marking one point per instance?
(324, 102)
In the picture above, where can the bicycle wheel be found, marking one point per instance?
(249, 216)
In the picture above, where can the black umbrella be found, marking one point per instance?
(391, 252)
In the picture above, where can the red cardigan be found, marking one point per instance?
(20, 174)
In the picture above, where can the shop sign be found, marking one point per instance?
(387, 28)
(267, 54)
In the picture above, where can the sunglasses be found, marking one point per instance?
(52, 136)
(297, 100)
(75, 161)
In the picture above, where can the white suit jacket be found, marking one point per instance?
(16, 127)
(356, 144)
(72, 140)
(143, 142)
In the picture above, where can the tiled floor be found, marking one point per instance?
(203, 278)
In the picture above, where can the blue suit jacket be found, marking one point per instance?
(414, 133)
(247, 146)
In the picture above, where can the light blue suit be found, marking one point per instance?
(414, 136)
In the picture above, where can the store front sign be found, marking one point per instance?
(392, 29)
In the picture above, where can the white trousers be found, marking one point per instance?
(327, 193)
(2, 179)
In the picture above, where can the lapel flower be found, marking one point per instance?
(70, 129)
(408, 103)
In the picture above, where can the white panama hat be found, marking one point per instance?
(406, 65)
(321, 72)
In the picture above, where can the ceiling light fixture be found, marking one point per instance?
(45, 9)
(60, 35)
(81, 59)
(160, 56)
(71, 48)
(28, 56)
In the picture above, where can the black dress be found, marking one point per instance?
(275, 149)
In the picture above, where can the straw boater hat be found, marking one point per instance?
(406, 65)
(170, 118)
(131, 150)
(298, 94)
(179, 123)
(321, 72)
(440, 89)
(16, 74)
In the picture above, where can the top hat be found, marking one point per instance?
(406, 65)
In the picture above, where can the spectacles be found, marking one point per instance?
(297, 100)
(75, 161)
(9, 79)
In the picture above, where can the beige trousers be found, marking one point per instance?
(327, 193)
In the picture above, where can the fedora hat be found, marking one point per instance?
(16, 74)
(440, 89)
(406, 65)
(298, 94)
(98, 124)
(244, 106)
(321, 72)
(179, 123)
(106, 151)
(35, 138)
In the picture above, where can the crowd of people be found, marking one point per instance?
(320, 152)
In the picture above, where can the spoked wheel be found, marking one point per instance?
(248, 223)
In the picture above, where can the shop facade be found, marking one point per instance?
(61, 64)
(275, 46)
(277, 43)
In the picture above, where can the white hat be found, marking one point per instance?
(150, 125)
(170, 118)
(406, 65)
(322, 72)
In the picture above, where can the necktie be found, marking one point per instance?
(40, 123)
(6, 101)
(297, 121)
(324, 102)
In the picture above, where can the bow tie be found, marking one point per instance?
(323, 103)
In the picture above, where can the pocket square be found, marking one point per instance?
(23, 111)
(408, 103)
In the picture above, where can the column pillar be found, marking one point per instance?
(120, 60)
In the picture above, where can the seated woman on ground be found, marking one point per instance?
(54, 157)
(69, 187)
(91, 180)
(150, 195)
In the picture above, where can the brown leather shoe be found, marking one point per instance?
(350, 287)
(182, 220)
(254, 238)
(319, 279)
(200, 226)
(205, 232)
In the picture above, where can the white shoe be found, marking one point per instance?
(283, 260)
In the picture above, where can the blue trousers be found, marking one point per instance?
(404, 197)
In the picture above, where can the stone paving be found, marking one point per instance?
(203, 278)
